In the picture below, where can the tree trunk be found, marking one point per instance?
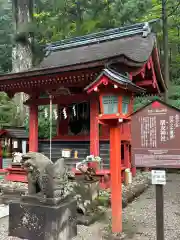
(165, 47)
(21, 52)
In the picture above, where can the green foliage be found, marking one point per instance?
(8, 111)
(128, 11)
(56, 20)
(43, 124)
(5, 36)
(173, 9)
(44, 127)
(141, 101)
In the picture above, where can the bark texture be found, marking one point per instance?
(22, 52)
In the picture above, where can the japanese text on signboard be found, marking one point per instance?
(155, 134)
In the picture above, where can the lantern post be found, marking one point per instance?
(115, 93)
(111, 107)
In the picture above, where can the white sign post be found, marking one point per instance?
(158, 178)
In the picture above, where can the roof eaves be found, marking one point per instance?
(91, 84)
(115, 75)
(155, 56)
(118, 78)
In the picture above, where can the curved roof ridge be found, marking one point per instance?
(93, 38)
(135, 47)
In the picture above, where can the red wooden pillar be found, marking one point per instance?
(94, 128)
(33, 128)
(116, 185)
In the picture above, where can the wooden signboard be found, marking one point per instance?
(156, 136)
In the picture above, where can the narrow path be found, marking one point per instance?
(140, 217)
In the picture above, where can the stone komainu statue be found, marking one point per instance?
(46, 178)
(52, 182)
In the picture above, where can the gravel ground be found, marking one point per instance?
(95, 231)
(140, 217)
(139, 221)
(18, 185)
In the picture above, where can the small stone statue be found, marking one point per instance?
(50, 183)
(45, 178)
(35, 165)
(46, 212)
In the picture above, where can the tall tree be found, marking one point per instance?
(129, 11)
(165, 47)
(5, 36)
(22, 48)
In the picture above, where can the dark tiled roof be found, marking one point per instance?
(111, 34)
(117, 78)
(131, 45)
(17, 132)
(134, 47)
(134, 42)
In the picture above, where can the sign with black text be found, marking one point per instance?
(155, 131)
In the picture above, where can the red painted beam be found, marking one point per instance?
(62, 100)
(145, 83)
(40, 87)
(71, 78)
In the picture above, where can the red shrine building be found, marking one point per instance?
(67, 72)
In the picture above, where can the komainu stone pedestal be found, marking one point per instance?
(88, 190)
(87, 193)
(43, 222)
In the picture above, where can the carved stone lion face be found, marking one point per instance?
(34, 162)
